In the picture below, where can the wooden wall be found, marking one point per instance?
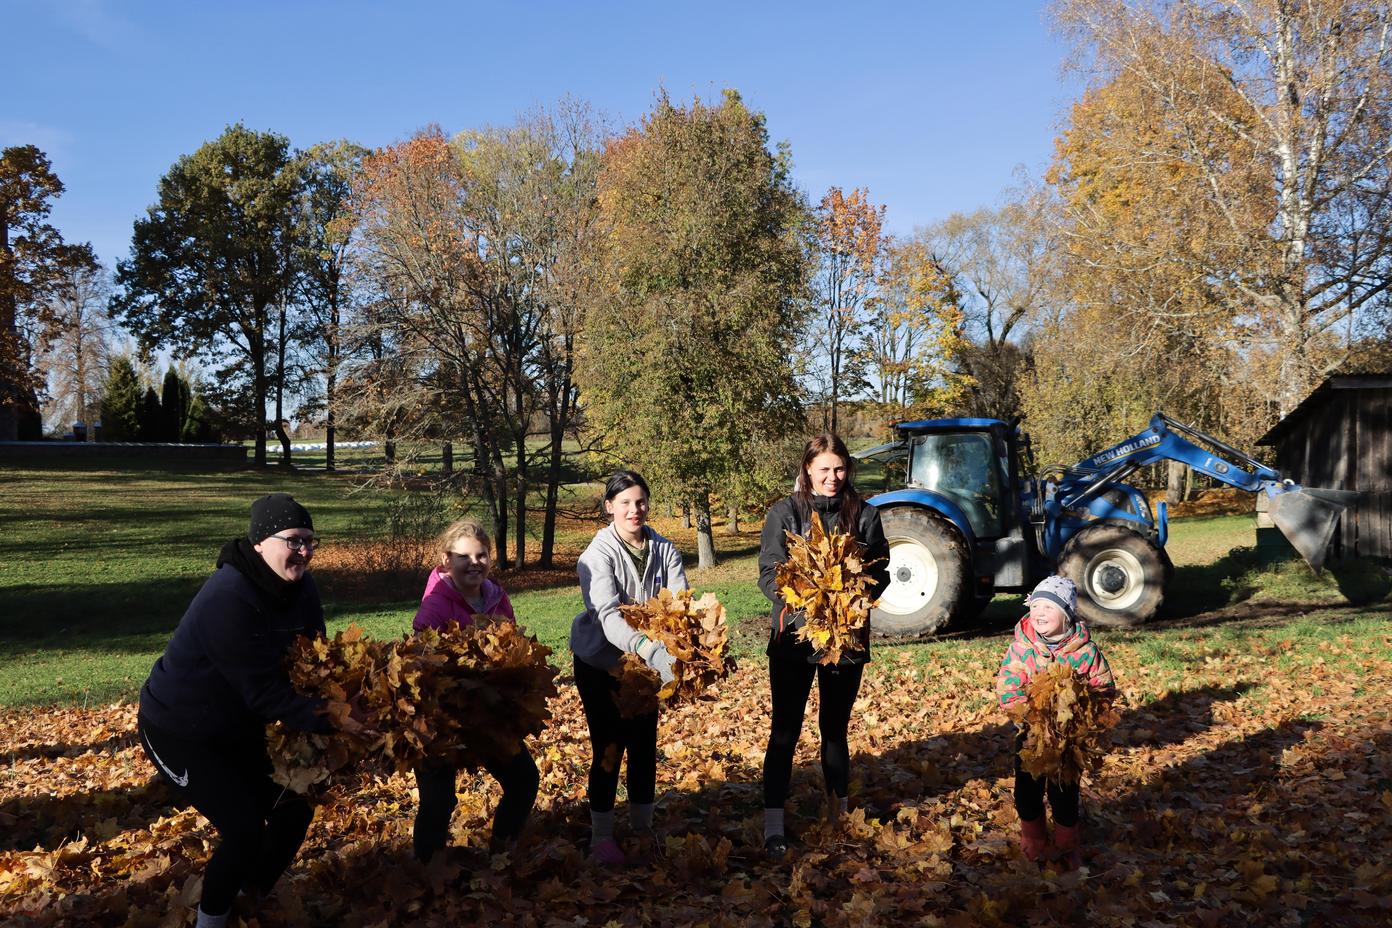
(1344, 442)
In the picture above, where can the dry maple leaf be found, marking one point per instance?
(694, 632)
(418, 698)
(1066, 722)
(825, 578)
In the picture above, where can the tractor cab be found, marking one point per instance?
(957, 532)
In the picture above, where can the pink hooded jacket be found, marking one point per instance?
(442, 603)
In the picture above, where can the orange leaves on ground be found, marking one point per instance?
(826, 579)
(694, 633)
(1231, 798)
(417, 698)
(1066, 723)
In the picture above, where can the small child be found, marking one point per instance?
(1051, 632)
(460, 588)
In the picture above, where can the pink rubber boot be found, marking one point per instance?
(1068, 845)
(1034, 838)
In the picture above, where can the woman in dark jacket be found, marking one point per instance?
(824, 490)
(205, 707)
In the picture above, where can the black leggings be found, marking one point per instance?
(1030, 792)
(436, 782)
(261, 825)
(790, 682)
(611, 736)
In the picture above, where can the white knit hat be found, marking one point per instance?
(1061, 592)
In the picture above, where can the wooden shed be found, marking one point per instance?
(1340, 437)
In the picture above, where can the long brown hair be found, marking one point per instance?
(850, 499)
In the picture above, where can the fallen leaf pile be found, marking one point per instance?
(1066, 723)
(638, 686)
(694, 633)
(826, 579)
(1232, 797)
(465, 694)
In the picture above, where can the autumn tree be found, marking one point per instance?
(1004, 265)
(1275, 119)
(209, 266)
(34, 263)
(325, 287)
(74, 362)
(688, 367)
(913, 338)
(846, 243)
(529, 192)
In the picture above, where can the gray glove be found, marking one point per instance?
(656, 656)
(662, 661)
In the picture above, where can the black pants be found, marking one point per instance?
(611, 736)
(436, 782)
(1030, 792)
(260, 824)
(790, 683)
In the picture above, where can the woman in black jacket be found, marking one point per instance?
(824, 489)
(205, 707)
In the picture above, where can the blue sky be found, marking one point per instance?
(932, 105)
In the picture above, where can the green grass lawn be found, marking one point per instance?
(98, 563)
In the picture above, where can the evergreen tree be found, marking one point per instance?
(120, 407)
(174, 406)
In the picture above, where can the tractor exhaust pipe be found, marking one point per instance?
(1307, 516)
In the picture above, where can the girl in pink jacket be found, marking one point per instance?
(1051, 632)
(460, 588)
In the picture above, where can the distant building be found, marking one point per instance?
(1340, 438)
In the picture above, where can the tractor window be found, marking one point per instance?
(965, 469)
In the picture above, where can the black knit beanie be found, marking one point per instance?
(275, 513)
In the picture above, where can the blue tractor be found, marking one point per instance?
(973, 520)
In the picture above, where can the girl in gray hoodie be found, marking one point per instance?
(626, 562)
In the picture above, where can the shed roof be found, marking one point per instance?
(1319, 396)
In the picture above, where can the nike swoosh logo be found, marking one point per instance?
(180, 781)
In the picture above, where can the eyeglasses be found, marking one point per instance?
(299, 545)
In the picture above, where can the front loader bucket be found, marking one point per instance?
(1307, 518)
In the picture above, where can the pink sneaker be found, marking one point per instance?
(608, 853)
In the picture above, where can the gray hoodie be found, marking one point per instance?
(608, 579)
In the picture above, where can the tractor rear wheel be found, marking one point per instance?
(929, 575)
(1120, 575)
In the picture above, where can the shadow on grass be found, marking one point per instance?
(87, 613)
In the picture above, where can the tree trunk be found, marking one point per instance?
(1174, 482)
(732, 519)
(9, 345)
(331, 391)
(705, 541)
(280, 390)
(258, 366)
(686, 513)
(553, 496)
(447, 458)
(1188, 484)
(520, 521)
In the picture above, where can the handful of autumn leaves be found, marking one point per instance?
(826, 578)
(419, 698)
(694, 633)
(1067, 720)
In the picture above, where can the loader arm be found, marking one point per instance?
(1305, 516)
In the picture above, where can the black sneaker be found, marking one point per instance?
(776, 847)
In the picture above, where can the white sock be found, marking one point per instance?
(601, 826)
(640, 816)
(842, 804)
(211, 921)
(773, 823)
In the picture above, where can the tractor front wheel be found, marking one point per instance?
(929, 579)
(1120, 575)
